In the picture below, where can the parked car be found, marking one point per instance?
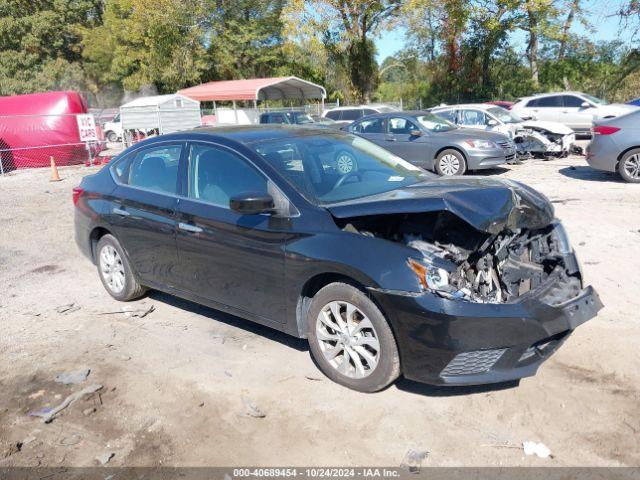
(576, 110)
(287, 118)
(501, 103)
(615, 146)
(433, 143)
(345, 115)
(385, 270)
(113, 129)
(532, 137)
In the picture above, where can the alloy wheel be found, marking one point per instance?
(347, 339)
(632, 166)
(112, 269)
(449, 164)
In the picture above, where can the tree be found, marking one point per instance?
(149, 42)
(246, 38)
(346, 29)
(41, 45)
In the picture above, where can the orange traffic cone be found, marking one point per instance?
(54, 171)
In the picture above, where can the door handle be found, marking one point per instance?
(189, 228)
(121, 212)
(390, 139)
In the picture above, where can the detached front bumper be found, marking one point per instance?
(451, 342)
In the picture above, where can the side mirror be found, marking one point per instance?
(252, 203)
(585, 105)
(415, 133)
(492, 123)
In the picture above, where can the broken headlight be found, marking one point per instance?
(429, 276)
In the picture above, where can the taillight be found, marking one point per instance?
(77, 191)
(604, 130)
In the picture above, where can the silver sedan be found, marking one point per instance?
(615, 146)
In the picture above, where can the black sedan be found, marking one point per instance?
(386, 269)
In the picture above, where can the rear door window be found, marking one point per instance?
(449, 114)
(550, 102)
(572, 101)
(152, 168)
(334, 114)
(473, 118)
(352, 114)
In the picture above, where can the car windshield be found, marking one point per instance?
(596, 100)
(504, 115)
(334, 168)
(303, 118)
(434, 123)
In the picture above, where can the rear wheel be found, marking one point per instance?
(351, 340)
(450, 162)
(115, 271)
(629, 166)
(112, 137)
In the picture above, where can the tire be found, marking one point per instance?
(112, 137)
(629, 166)
(376, 356)
(450, 162)
(115, 270)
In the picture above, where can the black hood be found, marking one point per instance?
(486, 204)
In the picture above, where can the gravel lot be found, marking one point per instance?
(178, 383)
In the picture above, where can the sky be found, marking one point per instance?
(600, 14)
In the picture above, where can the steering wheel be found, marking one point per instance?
(344, 177)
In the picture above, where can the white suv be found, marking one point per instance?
(576, 110)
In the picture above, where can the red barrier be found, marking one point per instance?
(36, 126)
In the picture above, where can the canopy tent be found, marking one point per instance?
(166, 113)
(252, 89)
(276, 88)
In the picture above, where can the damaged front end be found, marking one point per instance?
(490, 286)
(544, 139)
(457, 261)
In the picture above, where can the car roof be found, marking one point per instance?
(247, 134)
(280, 112)
(482, 106)
(549, 94)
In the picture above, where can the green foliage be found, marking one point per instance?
(457, 50)
(40, 43)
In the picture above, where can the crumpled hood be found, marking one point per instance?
(486, 204)
(553, 127)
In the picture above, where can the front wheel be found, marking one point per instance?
(115, 271)
(629, 166)
(351, 340)
(112, 137)
(450, 162)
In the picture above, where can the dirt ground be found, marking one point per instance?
(180, 385)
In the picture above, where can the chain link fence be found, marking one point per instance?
(31, 141)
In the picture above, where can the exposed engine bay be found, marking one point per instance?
(545, 139)
(460, 262)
